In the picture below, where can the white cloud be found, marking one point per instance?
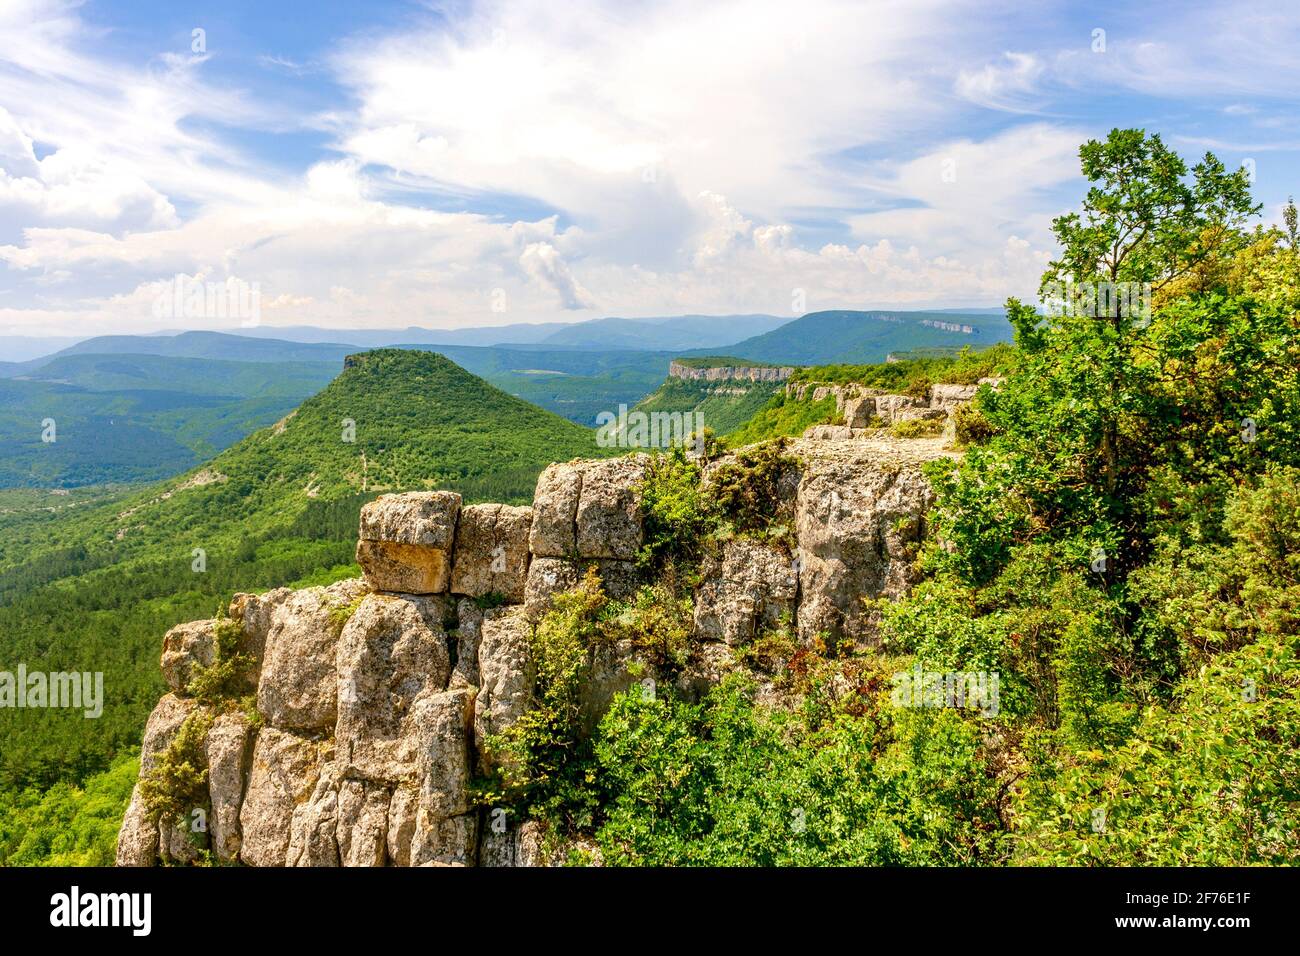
(542, 261)
(968, 196)
(635, 159)
(1007, 85)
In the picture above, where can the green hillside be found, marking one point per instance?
(94, 588)
(848, 336)
(724, 406)
(785, 416)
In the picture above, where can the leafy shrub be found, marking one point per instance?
(677, 516)
(178, 781)
(970, 426)
(542, 765)
(227, 677)
(747, 490)
(729, 783)
(658, 621)
(917, 428)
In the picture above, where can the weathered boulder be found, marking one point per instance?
(230, 752)
(425, 518)
(254, 612)
(406, 541)
(492, 551)
(547, 577)
(299, 684)
(506, 843)
(609, 514)
(182, 841)
(137, 841)
(402, 809)
(313, 825)
(859, 412)
(449, 841)
(892, 408)
(186, 648)
(829, 432)
(284, 774)
(392, 650)
(553, 533)
(506, 678)
(444, 724)
(469, 631)
(445, 829)
(920, 414)
(363, 823)
(611, 669)
(858, 521)
(619, 580)
(589, 509)
(946, 396)
(749, 587)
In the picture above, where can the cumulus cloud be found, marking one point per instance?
(542, 261)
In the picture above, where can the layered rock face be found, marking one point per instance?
(863, 408)
(376, 698)
(724, 373)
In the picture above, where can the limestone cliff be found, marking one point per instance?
(765, 373)
(375, 697)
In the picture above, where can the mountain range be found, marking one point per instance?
(132, 408)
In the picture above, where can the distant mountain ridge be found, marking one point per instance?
(844, 336)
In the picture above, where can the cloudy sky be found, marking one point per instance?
(453, 164)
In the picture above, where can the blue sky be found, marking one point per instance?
(391, 164)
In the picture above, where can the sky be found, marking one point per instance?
(390, 164)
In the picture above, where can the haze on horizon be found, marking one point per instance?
(468, 164)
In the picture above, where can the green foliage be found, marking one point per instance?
(1142, 219)
(67, 825)
(227, 677)
(970, 426)
(1213, 781)
(729, 783)
(783, 417)
(178, 780)
(746, 489)
(1122, 542)
(658, 622)
(917, 428)
(915, 376)
(677, 515)
(540, 754)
